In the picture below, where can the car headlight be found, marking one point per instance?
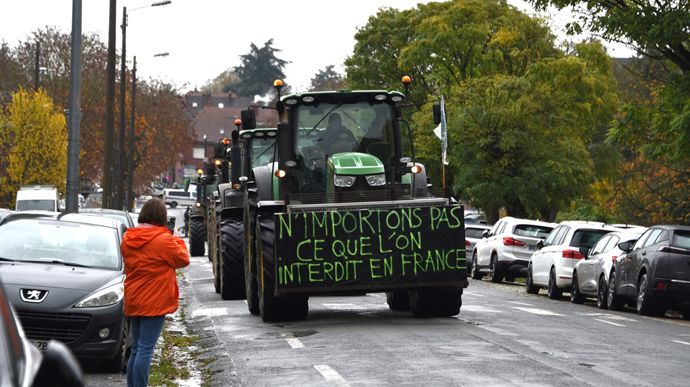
(104, 297)
(343, 181)
(376, 180)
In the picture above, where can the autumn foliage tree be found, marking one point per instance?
(33, 140)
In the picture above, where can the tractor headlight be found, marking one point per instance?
(376, 180)
(343, 181)
(104, 297)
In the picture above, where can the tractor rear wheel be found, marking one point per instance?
(250, 282)
(398, 300)
(274, 308)
(435, 302)
(197, 236)
(231, 260)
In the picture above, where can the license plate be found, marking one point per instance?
(40, 344)
(531, 247)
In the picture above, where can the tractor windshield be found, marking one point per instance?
(262, 150)
(329, 128)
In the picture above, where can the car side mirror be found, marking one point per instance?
(540, 245)
(485, 234)
(625, 246)
(59, 367)
(584, 251)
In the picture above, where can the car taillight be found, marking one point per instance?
(572, 254)
(467, 243)
(614, 258)
(508, 241)
(660, 285)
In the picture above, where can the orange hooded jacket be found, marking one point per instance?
(151, 255)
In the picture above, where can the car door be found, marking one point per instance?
(542, 264)
(679, 257)
(633, 261)
(587, 268)
(485, 247)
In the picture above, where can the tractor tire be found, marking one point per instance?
(398, 300)
(435, 302)
(250, 268)
(231, 260)
(272, 308)
(197, 237)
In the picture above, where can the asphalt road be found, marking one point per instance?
(502, 336)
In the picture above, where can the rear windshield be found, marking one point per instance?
(681, 239)
(587, 238)
(474, 232)
(36, 204)
(529, 230)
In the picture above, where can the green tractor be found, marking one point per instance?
(342, 210)
(198, 216)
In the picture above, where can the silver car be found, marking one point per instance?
(473, 234)
(591, 275)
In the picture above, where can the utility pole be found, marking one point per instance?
(120, 163)
(37, 68)
(72, 202)
(108, 158)
(131, 148)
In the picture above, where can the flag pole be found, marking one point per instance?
(444, 142)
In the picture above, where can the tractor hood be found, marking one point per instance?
(353, 163)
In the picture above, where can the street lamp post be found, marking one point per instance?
(120, 159)
(129, 197)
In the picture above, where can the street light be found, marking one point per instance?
(119, 165)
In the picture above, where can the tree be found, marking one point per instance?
(221, 83)
(257, 71)
(33, 144)
(12, 75)
(327, 79)
(658, 29)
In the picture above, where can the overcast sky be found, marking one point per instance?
(205, 37)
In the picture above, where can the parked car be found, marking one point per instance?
(22, 364)
(505, 249)
(4, 212)
(64, 274)
(174, 197)
(551, 266)
(37, 198)
(121, 216)
(473, 234)
(591, 275)
(654, 274)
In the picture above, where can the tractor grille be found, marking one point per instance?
(389, 198)
(65, 327)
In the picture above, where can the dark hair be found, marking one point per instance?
(154, 212)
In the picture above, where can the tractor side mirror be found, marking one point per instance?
(248, 119)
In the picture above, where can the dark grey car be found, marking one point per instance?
(654, 273)
(64, 275)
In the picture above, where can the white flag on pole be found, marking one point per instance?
(444, 133)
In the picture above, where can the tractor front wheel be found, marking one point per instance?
(231, 260)
(197, 236)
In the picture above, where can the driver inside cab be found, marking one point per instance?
(338, 138)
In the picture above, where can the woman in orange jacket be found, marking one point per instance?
(151, 255)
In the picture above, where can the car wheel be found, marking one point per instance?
(645, 304)
(575, 296)
(173, 205)
(601, 293)
(496, 275)
(510, 277)
(613, 300)
(530, 287)
(554, 292)
(474, 272)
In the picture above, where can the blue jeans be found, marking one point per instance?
(145, 332)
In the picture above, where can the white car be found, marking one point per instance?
(552, 265)
(591, 275)
(505, 250)
(473, 234)
(175, 197)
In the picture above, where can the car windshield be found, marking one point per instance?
(681, 239)
(529, 230)
(587, 238)
(50, 241)
(36, 205)
(329, 128)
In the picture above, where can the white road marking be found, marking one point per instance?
(294, 342)
(520, 303)
(681, 342)
(498, 331)
(331, 375)
(540, 312)
(479, 309)
(210, 312)
(342, 306)
(609, 322)
(610, 316)
(472, 294)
